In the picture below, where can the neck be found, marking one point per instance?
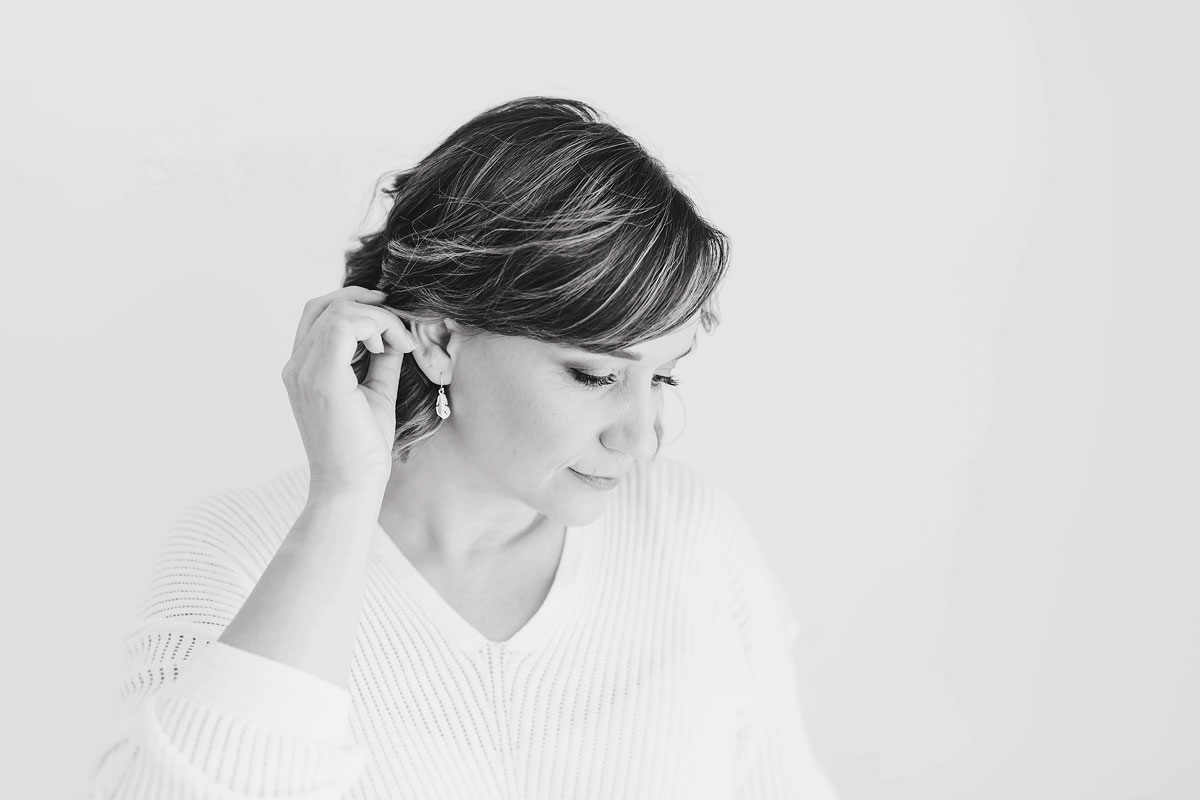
(437, 505)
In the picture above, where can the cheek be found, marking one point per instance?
(524, 416)
(550, 419)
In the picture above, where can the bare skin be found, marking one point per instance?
(480, 508)
(304, 609)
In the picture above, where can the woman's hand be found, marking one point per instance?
(347, 428)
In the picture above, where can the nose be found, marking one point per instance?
(637, 426)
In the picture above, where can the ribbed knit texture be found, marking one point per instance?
(659, 666)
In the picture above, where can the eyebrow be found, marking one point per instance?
(631, 356)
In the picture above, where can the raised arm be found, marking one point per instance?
(203, 718)
(238, 683)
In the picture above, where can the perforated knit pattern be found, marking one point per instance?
(659, 666)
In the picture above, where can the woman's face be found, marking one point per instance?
(524, 415)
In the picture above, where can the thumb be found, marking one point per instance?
(383, 370)
(383, 373)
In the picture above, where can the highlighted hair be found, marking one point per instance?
(537, 218)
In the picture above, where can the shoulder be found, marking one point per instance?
(698, 522)
(668, 485)
(217, 548)
(246, 522)
(675, 511)
(681, 501)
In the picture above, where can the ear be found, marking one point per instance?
(434, 346)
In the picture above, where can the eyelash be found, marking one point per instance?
(592, 380)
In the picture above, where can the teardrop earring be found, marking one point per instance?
(443, 405)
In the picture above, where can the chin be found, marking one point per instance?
(582, 517)
(575, 503)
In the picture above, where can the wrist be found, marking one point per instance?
(365, 497)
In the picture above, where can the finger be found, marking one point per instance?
(383, 373)
(383, 368)
(346, 323)
(315, 307)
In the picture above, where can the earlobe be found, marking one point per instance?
(433, 351)
(439, 377)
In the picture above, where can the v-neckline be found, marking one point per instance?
(565, 586)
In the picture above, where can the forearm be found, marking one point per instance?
(304, 610)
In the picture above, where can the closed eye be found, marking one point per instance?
(606, 380)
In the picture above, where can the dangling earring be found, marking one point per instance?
(443, 405)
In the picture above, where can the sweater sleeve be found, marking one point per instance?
(774, 753)
(203, 719)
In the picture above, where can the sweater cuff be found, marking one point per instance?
(264, 692)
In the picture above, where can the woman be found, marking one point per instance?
(482, 583)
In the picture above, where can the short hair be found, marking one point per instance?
(537, 218)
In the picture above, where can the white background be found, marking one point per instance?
(954, 388)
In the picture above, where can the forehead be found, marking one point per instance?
(670, 345)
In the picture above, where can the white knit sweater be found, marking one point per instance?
(659, 666)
